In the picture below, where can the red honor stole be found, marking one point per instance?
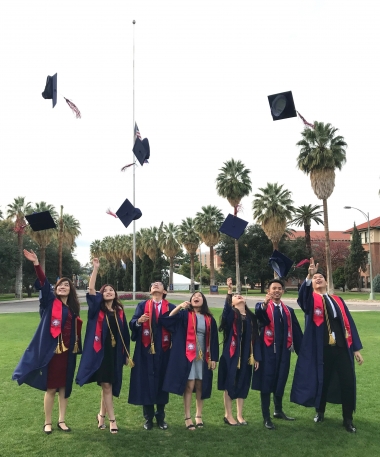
(191, 340)
(99, 327)
(233, 338)
(269, 329)
(146, 326)
(56, 318)
(319, 316)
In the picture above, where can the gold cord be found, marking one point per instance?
(332, 341)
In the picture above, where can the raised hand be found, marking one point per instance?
(229, 283)
(313, 268)
(268, 298)
(31, 256)
(95, 262)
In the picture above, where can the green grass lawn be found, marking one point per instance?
(6, 297)
(22, 418)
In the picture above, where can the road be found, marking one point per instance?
(29, 305)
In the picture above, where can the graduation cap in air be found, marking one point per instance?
(126, 213)
(141, 150)
(50, 93)
(41, 221)
(282, 106)
(280, 263)
(233, 226)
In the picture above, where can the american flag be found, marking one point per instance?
(137, 132)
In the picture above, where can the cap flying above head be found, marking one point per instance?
(41, 221)
(280, 263)
(233, 226)
(127, 213)
(50, 93)
(141, 150)
(282, 105)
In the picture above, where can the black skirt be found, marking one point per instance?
(106, 371)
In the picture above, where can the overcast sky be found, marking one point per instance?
(203, 71)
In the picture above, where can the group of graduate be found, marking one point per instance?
(177, 351)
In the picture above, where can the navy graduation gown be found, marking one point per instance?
(308, 375)
(91, 360)
(273, 372)
(237, 381)
(32, 369)
(178, 370)
(147, 376)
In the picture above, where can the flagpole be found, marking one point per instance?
(133, 161)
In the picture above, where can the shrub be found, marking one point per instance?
(139, 296)
(376, 283)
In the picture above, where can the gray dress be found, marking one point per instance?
(197, 365)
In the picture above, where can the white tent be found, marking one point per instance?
(180, 282)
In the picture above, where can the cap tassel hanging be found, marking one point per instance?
(73, 108)
(251, 359)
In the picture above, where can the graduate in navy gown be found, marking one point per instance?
(241, 353)
(194, 354)
(325, 369)
(151, 356)
(49, 361)
(280, 335)
(106, 346)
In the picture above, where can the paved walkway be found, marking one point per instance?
(29, 305)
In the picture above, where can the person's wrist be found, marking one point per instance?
(36, 262)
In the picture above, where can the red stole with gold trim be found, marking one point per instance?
(99, 327)
(269, 329)
(146, 336)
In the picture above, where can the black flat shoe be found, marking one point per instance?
(48, 432)
(282, 415)
(162, 425)
(349, 426)
(148, 425)
(68, 429)
(226, 421)
(243, 423)
(319, 417)
(269, 424)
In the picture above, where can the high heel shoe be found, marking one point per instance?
(226, 421)
(199, 424)
(103, 426)
(113, 430)
(191, 426)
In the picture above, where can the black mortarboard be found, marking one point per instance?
(280, 263)
(141, 150)
(40, 221)
(282, 105)
(128, 213)
(233, 226)
(50, 92)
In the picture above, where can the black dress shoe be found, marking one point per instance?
(148, 425)
(68, 429)
(226, 421)
(269, 424)
(162, 424)
(282, 415)
(349, 426)
(319, 417)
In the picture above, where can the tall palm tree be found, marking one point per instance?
(16, 211)
(188, 236)
(303, 216)
(272, 209)
(234, 183)
(169, 245)
(1, 214)
(69, 230)
(207, 224)
(150, 242)
(127, 248)
(321, 152)
(44, 237)
(95, 249)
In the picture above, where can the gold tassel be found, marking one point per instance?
(60, 346)
(331, 340)
(238, 365)
(131, 363)
(251, 359)
(76, 349)
(152, 350)
(200, 355)
(113, 341)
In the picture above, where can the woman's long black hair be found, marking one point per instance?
(205, 309)
(116, 303)
(72, 299)
(250, 316)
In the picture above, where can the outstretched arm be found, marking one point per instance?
(94, 274)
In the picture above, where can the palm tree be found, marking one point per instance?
(303, 217)
(95, 249)
(234, 183)
(168, 243)
(69, 230)
(16, 211)
(321, 152)
(150, 242)
(44, 237)
(273, 208)
(1, 214)
(188, 236)
(207, 224)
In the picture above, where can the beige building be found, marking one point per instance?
(205, 258)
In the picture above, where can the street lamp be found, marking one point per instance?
(366, 215)
(246, 290)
